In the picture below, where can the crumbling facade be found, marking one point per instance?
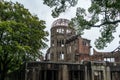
(66, 46)
(69, 58)
(59, 33)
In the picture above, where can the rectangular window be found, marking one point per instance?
(62, 30)
(48, 56)
(52, 42)
(70, 49)
(68, 31)
(62, 43)
(61, 55)
(58, 43)
(109, 59)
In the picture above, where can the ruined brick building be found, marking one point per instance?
(69, 58)
(66, 46)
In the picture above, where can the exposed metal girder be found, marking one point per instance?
(117, 49)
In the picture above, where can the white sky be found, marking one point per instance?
(44, 13)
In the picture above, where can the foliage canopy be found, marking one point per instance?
(22, 36)
(104, 15)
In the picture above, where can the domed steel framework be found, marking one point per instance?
(60, 31)
(61, 22)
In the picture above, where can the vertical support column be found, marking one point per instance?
(72, 72)
(60, 73)
(88, 75)
(79, 75)
(104, 73)
(85, 74)
(65, 73)
(45, 75)
(55, 54)
(92, 72)
(40, 73)
(37, 74)
(53, 76)
(34, 74)
(108, 76)
(26, 71)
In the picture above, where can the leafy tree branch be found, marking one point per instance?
(103, 14)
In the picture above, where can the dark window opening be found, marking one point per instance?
(52, 42)
(48, 75)
(60, 43)
(98, 75)
(76, 75)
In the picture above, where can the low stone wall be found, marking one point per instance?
(68, 71)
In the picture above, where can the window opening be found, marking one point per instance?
(70, 49)
(60, 30)
(52, 42)
(60, 43)
(48, 56)
(68, 31)
(109, 59)
(61, 55)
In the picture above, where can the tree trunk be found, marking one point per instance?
(4, 66)
(2, 76)
(3, 72)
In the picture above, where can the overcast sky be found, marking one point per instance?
(44, 13)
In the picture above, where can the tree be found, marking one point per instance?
(22, 36)
(104, 15)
